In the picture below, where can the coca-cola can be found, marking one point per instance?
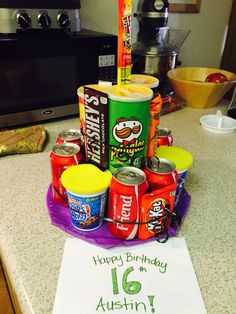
(164, 137)
(128, 184)
(62, 156)
(160, 172)
(70, 136)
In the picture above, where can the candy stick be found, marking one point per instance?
(124, 42)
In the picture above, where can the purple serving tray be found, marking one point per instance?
(60, 217)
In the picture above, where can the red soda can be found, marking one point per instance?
(164, 137)
(160, 172)
(70, 136)
(128, 184)
(62, 156)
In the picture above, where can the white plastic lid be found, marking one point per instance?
(130, 93)
(218, 123)
(144, 80)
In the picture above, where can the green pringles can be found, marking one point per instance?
(129, 114)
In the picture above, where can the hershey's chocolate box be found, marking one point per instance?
(96, 127)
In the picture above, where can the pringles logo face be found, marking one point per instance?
(127, 132)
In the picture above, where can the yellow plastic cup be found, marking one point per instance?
(86, 186)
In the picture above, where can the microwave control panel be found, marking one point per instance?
(107, 61)
(107, 67)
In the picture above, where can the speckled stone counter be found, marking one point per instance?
(31, 248)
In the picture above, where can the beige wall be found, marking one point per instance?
(204, 45)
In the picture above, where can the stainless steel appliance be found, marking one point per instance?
(157, 47)
(45, 56)
(232, 106)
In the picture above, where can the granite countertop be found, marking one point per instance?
(31, 248)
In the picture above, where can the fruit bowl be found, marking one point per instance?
(189, 84)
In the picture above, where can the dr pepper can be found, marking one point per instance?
(128, 184)
(62, 156)
(160, 172)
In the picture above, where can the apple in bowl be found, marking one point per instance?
(216, 78)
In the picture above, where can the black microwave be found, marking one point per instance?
(40, 72)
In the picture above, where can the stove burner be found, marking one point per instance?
(30, 15)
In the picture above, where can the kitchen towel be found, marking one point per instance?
(22, 140)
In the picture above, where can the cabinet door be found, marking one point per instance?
(5, 300)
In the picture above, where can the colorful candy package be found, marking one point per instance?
(156, 211)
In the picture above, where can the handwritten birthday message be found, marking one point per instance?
(149, 278)
(123, 283)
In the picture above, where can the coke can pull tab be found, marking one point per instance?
(153, 162)
(67, 150)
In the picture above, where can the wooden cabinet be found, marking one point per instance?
(5, 300)
(8, 300)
